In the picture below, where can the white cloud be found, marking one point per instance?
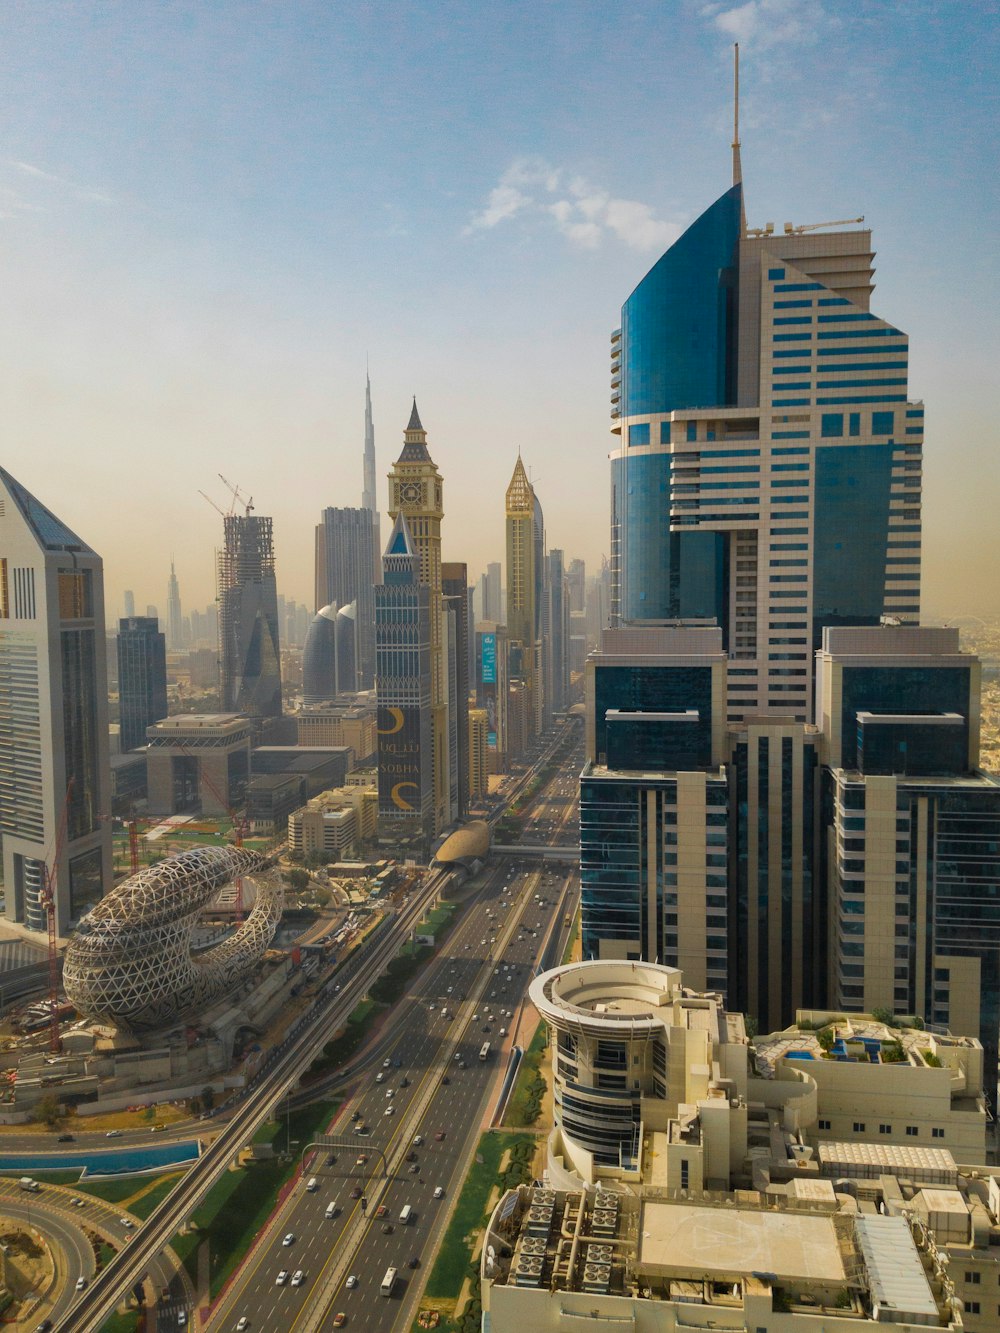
(761, 24)
(582, 212)
(13, 202)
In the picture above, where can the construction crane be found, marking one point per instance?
(219, 511)
(48, 903)
(238, 496)
(791, 230)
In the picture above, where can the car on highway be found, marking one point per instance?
(414, 1261)
(242, 1323)
(339, 1319)
(417, 1140)
(356, 1192)
(289, 1239)
(65, 1138)
(439, 1191)
(282, 1278)
(352, 1281)
(381, 1210)
(297, 1277)
(445, 1080)
(386, 1063)
(411, 1156)
(414, 1168)
(361, 1158)
(380, 1077)
(387, 1229)
(389, 1110)
(81, 1282)
(113, 1134)
(439, 1136)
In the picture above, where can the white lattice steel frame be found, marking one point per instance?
(130, 962)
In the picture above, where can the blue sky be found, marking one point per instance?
(210, 215)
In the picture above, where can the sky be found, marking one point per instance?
(213, 217)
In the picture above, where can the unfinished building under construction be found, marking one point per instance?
(249, 668)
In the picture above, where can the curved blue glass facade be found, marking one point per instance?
(665, 576)
(319, 660)
(678, 326)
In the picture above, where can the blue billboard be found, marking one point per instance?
(489, 659)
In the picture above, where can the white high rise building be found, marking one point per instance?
(55, 779)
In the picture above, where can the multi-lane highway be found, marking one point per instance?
(291, 1059)
(428, 1082)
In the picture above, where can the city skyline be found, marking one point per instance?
(213, 295)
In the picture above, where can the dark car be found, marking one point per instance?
(65, 1138)
(414, 1262)
(387, 1229)
(411, 1156)
(446, 1080)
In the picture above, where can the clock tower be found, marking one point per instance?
(416, 491)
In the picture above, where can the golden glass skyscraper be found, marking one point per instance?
(417, 491)
(525, 589)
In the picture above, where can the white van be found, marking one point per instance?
(312, 1184)
(331, 1208)
(405, 1213)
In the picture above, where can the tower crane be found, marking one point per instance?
(238, 496)
(791, 230)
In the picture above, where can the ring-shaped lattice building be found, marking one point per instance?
(131, 962)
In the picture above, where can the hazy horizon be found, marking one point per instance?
(213, 217)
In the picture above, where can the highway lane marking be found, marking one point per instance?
(247, 1274)
(506, 935)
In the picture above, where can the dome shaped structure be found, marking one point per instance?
(130, 962)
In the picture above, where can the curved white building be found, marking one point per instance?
(631, 1045)
(130, 962)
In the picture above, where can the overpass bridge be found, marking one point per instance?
(567, 855)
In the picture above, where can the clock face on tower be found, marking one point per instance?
(410, 492)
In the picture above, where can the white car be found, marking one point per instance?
(439, 1191)
(386, 1063)
(417, 1140)
(126, 1223)
(297, 1277)
(81, 1282)
(282, 1278)
(243, 1323)
(389, 1110)
(352, 1281)
(289, 1239)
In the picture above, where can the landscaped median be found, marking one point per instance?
(525, 1103)
(383, 993)
(502, 1161)
(237, 1206)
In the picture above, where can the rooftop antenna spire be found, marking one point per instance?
(737, 167)
(737, 164)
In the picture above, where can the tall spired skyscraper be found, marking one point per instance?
(55, 776)
(175, 623)
(526, 590)
(416, 491)
(369, 493)
(768, 477)
(793, 842)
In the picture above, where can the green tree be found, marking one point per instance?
(50, 1110)
(297, 878)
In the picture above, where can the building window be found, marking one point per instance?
(854, 423)
(971, 1307)
(692, 431)
(911, 1131)
(885, 1129)
(823, 1124)
(639, 433)
(937, 1133)
(776, 274)
(882, 423)
(684, 1173)
(859, 1126)
(973, 1279)
(664, 432)
(832, 425)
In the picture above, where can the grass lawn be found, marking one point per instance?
(239, 1204)
(525, 1103)
(454, 1261)
(119, 1191)
(64, 1177)
(571, 942)
(121, 1323)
